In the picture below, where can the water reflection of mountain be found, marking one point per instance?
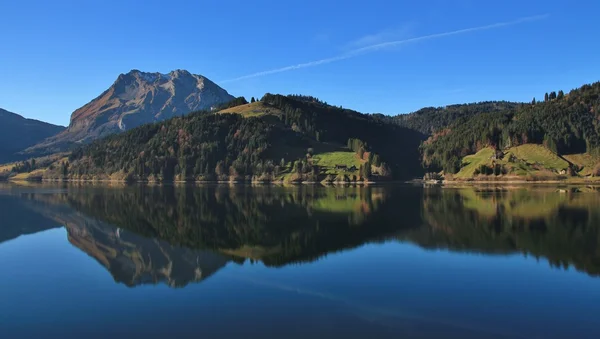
(17, 219)
(130, 258)
(277, 226)
(146, 234)
(135, 260)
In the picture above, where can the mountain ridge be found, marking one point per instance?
(136, 98)
(18, 133)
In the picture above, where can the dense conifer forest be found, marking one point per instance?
(214, 146)
(564, 123)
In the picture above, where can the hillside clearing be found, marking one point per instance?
(585, 161)
(255, 109)
(539, 155)
(525, 160)
(472, 162)
(328, 161)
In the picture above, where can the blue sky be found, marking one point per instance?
(56, 56)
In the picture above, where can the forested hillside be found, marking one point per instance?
(397, 146)
(303, 139)
(429, 120)
(291, 138)
(564, 123)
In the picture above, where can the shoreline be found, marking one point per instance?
(449, 183)
(201, 182)
(511, 182)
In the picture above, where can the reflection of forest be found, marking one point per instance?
(177, 235)
(275, 225)
(561, 225)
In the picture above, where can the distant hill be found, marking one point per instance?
(18, 220)
(277, 138)
(429, 120)
(17, 133)
(565, 126)
(134, 99)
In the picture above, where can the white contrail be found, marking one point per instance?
(379, 46)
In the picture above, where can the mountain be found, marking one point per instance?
(557, 136)
(17, 133)
(277, 138)
(134, 99)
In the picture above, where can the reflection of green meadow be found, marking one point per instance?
(520, 202)
(345, 200)
(559, 224)
(339, 204)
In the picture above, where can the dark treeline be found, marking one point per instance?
(565, 123)
(197, 146)
(233, 103)
(429, 120)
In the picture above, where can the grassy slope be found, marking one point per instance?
(532, 160)
(255, 109)
(328, 160)
(6, 167)
(585, 161)
(55, 159)
(538, 154)
(471, 162)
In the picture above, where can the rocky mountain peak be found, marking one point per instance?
(137, 98)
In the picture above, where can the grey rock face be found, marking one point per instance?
(137, 98)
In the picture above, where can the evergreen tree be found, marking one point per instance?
(367, 170)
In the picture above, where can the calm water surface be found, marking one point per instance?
(270, 262)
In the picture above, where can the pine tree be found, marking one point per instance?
(299, 166)
(367, 170)
(561, 95)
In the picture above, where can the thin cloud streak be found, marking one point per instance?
(377, 47)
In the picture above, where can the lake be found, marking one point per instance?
(302, 262)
